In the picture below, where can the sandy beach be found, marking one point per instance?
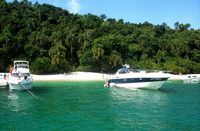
(73, 76)
(88, 76)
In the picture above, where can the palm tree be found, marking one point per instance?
(57, 54)
(98, 52)
(56, 37)
(70, 43)
(38, 11)
(115, 58)
(85, 38)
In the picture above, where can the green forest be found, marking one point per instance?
(54, 40)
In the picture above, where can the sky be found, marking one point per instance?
(136, 11)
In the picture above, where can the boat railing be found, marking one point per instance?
(136, 70)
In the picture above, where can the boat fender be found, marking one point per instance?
(4, 77)
(107, 84)
(7, 76)
(25, 77)
(11, 70)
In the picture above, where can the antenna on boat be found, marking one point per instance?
(124, 65)
(29, 91)
(121, 62)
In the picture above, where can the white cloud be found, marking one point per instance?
(74, 6)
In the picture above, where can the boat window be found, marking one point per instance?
(135, 70)
(20, 74)
(123, 71)
(15, 74)
(25, 74)
(22, 66)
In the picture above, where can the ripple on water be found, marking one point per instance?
(90, 106)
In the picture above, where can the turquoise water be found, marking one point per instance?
(89, 106)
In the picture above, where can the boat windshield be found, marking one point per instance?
(20, 74)
(22, 66)
(123, 71)
(128, 70)
(135, 70)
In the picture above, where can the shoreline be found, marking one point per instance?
(73, 76)
(88, 76)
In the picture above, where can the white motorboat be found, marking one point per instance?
(3, 80)
(192, 78)
(134, 78)
(20, 77)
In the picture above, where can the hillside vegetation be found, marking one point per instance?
(56, 41)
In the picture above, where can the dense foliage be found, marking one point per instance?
(56, 41)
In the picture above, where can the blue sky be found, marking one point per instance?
(136, 11)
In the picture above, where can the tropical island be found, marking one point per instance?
(56, 41)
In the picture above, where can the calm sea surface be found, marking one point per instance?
(89, 106)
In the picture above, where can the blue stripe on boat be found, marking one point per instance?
(135, 80)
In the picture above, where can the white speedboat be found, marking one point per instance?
(134, 78)
(192, 78)
(20, 77)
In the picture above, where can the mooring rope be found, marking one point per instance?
(29, 91)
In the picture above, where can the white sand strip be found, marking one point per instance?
(74, 76)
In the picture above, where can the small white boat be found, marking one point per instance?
(192, 78)
(3, 80)
(134, 78)
(20, 77)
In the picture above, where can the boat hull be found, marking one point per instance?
(137, 83)
(3, 84)
(3, 80)
(23, 85)
(191, 79)
(140, 85)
